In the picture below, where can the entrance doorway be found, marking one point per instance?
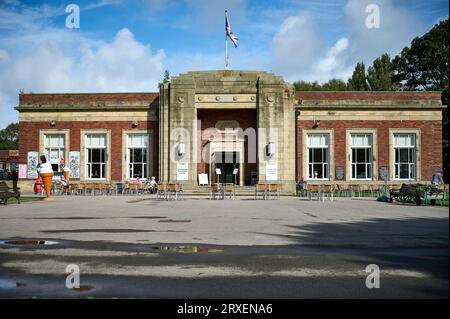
(227, 162)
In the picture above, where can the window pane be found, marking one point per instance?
(95, 155)
(310, 155)
(317, 155)
(353, 171)
(403, 155)
(137, 154)
(144, 155)
(103, 170)
(361, 171)
(137, 171)
(318, 170)
(95, 170)
(360, 155)
(404, 171)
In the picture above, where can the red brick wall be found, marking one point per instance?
(29, 139)
(430, 132)
(209, 118)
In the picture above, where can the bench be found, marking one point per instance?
(413, 193)
(7, 192)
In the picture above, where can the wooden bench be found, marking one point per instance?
(7, 192)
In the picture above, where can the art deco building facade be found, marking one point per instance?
(249, 123)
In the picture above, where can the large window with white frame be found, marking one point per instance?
(318, 148)
(405, 156)
(137, 156)
(95, 156)
(361, 155)
(54, 147)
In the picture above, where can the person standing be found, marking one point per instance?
(437, 179)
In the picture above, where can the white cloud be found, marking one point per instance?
(299, 52)
(60, 60)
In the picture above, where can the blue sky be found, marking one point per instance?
(125, 45)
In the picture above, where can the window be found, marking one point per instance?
(54, 149)
(137, 155)
(361, 156)
(404, 156)
(318, 156)
(96, 156)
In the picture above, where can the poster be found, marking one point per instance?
(271, 172)
(22, 171)
(32, 162)
(74, 164)
(182, 172)
(203, 179)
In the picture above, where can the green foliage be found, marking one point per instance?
(381, 75)
(424, 65)
(9, 137)
(331, 85)
(166, 78)
(358, 80)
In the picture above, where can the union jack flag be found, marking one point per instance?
(228, 32)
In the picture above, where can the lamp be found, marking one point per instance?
(181, 149)
(52, 123)
(135, 123)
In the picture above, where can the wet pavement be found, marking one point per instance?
(300, 250)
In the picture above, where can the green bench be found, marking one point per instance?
(7, 192)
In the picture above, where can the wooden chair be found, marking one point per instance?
(126, 189)
(260, 189)
(162, 191)
(314, 190)
(355, 189)
(328, 191)
(273, 189)
(365, 189)
(216, 189)
(230, 190)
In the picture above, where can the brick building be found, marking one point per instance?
(250, 121)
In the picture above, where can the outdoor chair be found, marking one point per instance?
(88, 188)
(119, 188)
(328, 191)
(365, 190)
(174, 191)
(375, 190)
(260, 189)
(355, 189)
(314, 190)
(216, 189)
(230, 190)
(162, 191)
(126, 189)
(273, 189)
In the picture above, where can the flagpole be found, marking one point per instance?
(226, 45)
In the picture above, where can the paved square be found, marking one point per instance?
(304, 247)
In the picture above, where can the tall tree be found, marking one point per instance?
(381, 75)
(166, 78)
(9, 137)
(424, 65)
(358, 80)
(334, 85)
(307, 86)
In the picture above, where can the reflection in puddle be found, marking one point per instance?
(9, 284)
(188, 249)
(31, 242)
(83, 288)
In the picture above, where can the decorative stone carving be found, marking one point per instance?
(217, 98)
(235, 98)
(227, 124)
(270, 99)
(181, 99)
(253, 98)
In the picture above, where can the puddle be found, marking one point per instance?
(83, 288)
(9, 284)
(28, 242)
(174, 221)
(188, 249)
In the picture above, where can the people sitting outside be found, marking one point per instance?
(64, 185)
(153, 186)
(437, 180)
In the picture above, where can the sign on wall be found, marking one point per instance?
(340, 173)
(384, 173)
(271, 172)
(23, 171)
(32, 163)
(74, 164)
(182, 172)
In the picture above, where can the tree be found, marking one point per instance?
(307, 86)
(358, 80)
(9, 137)
(425, 66)
(166, 78)
(334, 85)
(381, 75)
